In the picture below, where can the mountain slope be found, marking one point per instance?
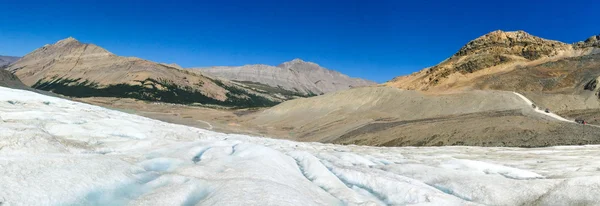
(72, 68)
(296, 76)
(492, 55)
(7, 60)
(58, 152)
(7, 79)
(385, 116)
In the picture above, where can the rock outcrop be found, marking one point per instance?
(72, 68)
(517, 43)
(296, 76)
(593, 41)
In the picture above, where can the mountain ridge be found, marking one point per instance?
(297, 75)
(493, 53)
(77, 69)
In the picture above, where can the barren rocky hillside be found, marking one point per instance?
(72, 68)
(473, 105)
(296, 77)
(384, 116)
(493, 55)
(467, 99)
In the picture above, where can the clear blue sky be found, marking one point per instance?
(376, 40)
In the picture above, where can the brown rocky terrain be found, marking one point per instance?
(72, 68)
(466, 100)
(593, 41)
(490, 56)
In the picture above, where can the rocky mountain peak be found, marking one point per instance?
(297, 60)
(519, 43)
(295, 77)
(593, 41)
(72, 45)
(492, 50)
(67, 41)
(299, 64)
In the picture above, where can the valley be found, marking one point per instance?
(299, 103)
(472, 107)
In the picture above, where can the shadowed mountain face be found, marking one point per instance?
(7, 60)
(7, 79)
(72, 68)
(296, 76)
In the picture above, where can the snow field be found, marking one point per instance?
(58, 152)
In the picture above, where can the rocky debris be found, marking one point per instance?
(297, 76)
(72, 68)
(517, 43)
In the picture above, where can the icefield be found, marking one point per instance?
(58, 152)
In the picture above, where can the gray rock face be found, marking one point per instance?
(7, 60)
(306, 78)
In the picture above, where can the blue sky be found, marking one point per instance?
(376, 40)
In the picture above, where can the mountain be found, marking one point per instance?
(493, 55)
(593, 41)
(59, 152)
(296, 77)
(556, 75)
(7, 60)
(75, 69)
(467, 99)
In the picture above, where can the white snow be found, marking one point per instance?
(58, 152)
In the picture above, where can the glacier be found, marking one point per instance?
(59, 152)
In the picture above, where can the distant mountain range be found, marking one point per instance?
(6, 60)
(76, 69)
(296, 76)
(467, 99)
